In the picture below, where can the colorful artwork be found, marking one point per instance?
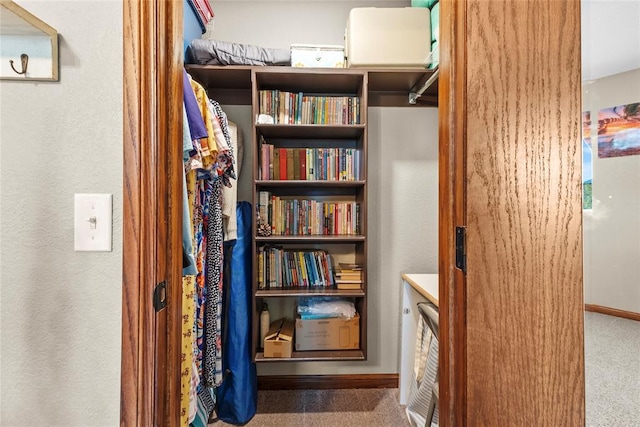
(586, 124)
(619, 131)
(587, 162)
(587, 175)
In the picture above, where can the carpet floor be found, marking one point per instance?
(612, 371)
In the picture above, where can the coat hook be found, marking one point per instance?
(24, 59)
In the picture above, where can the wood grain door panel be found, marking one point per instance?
(152, 234)
(524, 308)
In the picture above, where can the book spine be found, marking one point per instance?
(290, 163)
(283, 163)
(276, 164)
(296, 163)
(303, 163)
(261, 268)
(264, 160)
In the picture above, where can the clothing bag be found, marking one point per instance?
(237, 397)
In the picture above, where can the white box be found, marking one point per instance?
(317, 56)
(388, 37)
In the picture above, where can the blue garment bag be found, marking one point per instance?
(237, 397)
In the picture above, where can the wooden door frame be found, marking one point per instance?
(451, 195)
(150, 376)
(152, 211)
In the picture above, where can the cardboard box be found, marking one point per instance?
(328, 334)
(279, 339)
(317, 56)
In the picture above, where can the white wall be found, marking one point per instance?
(402, 181)
(60, 309)
(612, 228)
(278, 24)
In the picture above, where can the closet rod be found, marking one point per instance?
(415, 94)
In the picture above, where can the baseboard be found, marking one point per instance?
(612, 311)
(321, 382)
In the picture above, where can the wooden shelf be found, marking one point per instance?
(390, 87)
(325, 355)
(312, 239)
(311, 131)
(325, 80)
(387, 87)
(229, 84)
(303, 292)
(310, 184)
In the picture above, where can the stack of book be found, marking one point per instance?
(348, 276)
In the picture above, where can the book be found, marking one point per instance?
(296, 164)
(303, 163)
(264, 159)
(261, 284)
(263, 206)
(340, 285)
(283, 163)
(275, 169)
(356, 275)
(348, 280)
(345, 266)
(290, 164)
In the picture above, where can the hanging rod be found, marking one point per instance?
(415, 94)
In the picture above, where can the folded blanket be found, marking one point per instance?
(216, 52)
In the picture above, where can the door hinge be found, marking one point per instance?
(461, 249)
(160, 296)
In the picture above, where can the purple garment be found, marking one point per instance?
(194, 115)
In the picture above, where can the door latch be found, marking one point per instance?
(461, 249)
(160, 296)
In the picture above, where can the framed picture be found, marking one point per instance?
(587, 162)
(619, 131)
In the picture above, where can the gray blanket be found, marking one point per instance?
(216, 52)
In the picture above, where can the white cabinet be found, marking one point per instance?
(415, 288)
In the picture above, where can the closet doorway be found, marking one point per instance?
(493, 319)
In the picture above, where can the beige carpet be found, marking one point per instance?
(317, 408)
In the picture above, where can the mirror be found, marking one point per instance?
(28, 46)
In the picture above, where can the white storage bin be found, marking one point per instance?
(388, 37)
(317, 56)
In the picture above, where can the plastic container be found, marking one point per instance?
(265, 320)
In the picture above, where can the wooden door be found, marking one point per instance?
(152, 197)
(510, 103)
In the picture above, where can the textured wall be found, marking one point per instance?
(612, 228)
(60, 309)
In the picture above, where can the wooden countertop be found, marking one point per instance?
(425, 284)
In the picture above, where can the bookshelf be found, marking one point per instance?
(317, 207)
(241, 85)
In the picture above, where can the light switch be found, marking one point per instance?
(93, 214)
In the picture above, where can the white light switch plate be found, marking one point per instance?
(93, 214)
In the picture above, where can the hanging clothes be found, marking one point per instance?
(210, 167)
(188, 289)
(213, 310)
(230, 193)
